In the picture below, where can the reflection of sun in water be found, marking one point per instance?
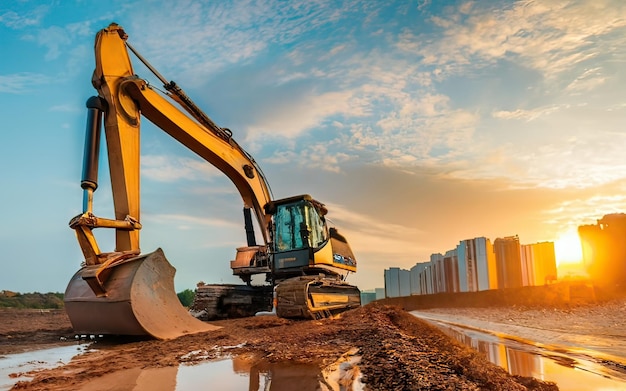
(567, 248)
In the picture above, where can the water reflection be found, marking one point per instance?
(570, 373)
(279, 376)
(239, 373)
(14, 366)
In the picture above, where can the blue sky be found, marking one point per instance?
(418, 123)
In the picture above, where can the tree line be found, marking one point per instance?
(50, 300)
(54, 300)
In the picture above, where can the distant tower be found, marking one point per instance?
(508, 261)
(451, 271)
(476, 265)
(538, 263)
(604, 249)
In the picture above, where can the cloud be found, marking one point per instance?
(187, 222)
(162, 168)
(370, 235)
(53, 38)
(392, 97)
(527, 115)
(550, 37)
(66, 108)
(224, 33)
(19, 20)
(303, 115)
(589, 80)
(20, 83)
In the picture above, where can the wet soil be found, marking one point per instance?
(607, 319)
(399, 352)
(24, 330)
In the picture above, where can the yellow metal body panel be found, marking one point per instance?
(324, 256)
(121, 129)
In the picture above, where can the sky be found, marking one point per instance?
(418, 123)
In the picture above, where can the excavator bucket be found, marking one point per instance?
(139, 299)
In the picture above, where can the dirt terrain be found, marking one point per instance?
(606, 319)
(398, 351)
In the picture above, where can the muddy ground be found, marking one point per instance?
(399, 352)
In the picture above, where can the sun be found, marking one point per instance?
(568, 248)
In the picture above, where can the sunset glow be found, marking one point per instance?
(419, 124)
(568, 248)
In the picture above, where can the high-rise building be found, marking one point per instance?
(439, 274)
(508, 262)
(392, 282)
(405, 283)
(538, 263)
(417, 287)
(476, 265)
(397, 282)
(451, 270)
(604, 249)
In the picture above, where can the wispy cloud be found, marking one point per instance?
(588, 81)
(550, 37)
(527, 115)
(303, 115)
(369, 234)
(20, 83)
(67, 108)
(586, 209)
(382, 98)
(187, 222)
(226, 33)
(23, 18)
(170, 168)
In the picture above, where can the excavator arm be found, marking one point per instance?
(126, 98)
(121, 292)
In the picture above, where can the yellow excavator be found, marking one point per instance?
(125, 292)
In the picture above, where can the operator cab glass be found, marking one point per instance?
(298, 225)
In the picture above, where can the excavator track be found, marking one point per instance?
(315, 297)
(228, 301)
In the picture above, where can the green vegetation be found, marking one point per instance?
(186, 297)
(36, 300)
(54, 300)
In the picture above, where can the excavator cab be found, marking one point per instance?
(299, 230)
(302, 239)
(310, 261)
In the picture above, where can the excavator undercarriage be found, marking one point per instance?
(306, 297)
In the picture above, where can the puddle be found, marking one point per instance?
(29, 361)
(230, 374)
(570, 373)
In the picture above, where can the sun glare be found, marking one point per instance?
(568, 249)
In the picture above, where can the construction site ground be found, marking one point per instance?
(397, 350)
